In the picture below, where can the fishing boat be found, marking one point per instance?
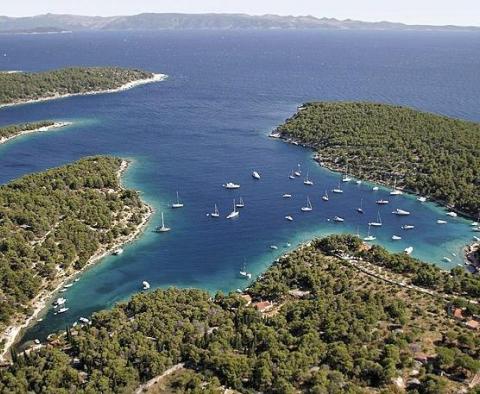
(117, 252)
(292, 175)
(408, 251)
(244, 273)
(298, 172)
(422, 199)
(338, 189)
(360, 208)
(145, 285)
(377, 223)
(240, 203)
(396, 238)
(452, 214)
(289, 218)
(215, 213)
(325, 196)
(308, 207)
(287, 195)
(234, 213)
(375, 188)
(231, 185)
(369, 237)
(255, 175)
(307, 181)
(408, 227)
(338, 219)
(401, 212)
(382, 202)
(440, 221)
(162, 228)
(177, 204)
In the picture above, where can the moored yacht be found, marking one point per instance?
(308, 207)
(338, 219)
(215, 213)
(292, 175)
(382, 202)
(408, 227)
(369, 237)
(298, 172)
(452, 214)
(408, 251)
(378, 222)
(255, 175)
(162, 228)
(360, 208)
(325, 196)
(231, 185)
(422, 199)
(401, 212)
(240, 203)
(145, 285)
(177, 204)
(375, 188)
(307, 181)
(396, 238)
(287, 195)
(289, 218)
(440, 221)
(234, 213)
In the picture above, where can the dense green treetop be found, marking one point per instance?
(432, 155)
(53, 222)
(15, 129)
(332, 329)
(19, 87)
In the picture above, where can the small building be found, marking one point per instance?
(473, 324)
(458, 314)
(263, 306)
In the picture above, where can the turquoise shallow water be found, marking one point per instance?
(208, 124)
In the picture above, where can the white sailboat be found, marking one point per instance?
(369, 237)
(215, 213)
(325, 196)
(360, 208)
(338, 189)
(292, 175)
(452, 214)
(234, 213)
(378, 223)
(440, 221)
(240, 203)
(177, 204)
(298, 172)
(255, 175)
(307, 181)
(162, 228)
(308, 207)
(395, 191)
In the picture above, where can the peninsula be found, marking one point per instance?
(324, 318)
(10, 132)
(22, 88)
(427, 154)
(55, 223)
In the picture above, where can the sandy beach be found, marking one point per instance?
(42, 301)
(56, 125)
(127, 86)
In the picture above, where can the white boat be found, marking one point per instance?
(215, 213)
(325, 196)
(273, 247)
(369, 237)
(345, 177)
(289, 218)
(395, 191)
(401, 212)
(231, 185)
(177, 204)
(68, 285)
(145, 285)
(287, 195)
(447, 259)
(338, 219)
(308, 207)
(375, 188)
(408, 227)
(243, 272)
(422, 199)
(476, 229)
(452, 214)
(255, 175)
(378, 223)
(358, 182)
(440, 221)
(396, 238)
(234, 213)
(298, 172)
(474, 224)
(382, 202)
(162, 228)
(117, 252)
(408, 250)
(61, 310)
(84, 320)
(360, 208)
(338, 189)
(307, 181)
(59, 301)
(240, 203)
(476, 238)
(292, 175)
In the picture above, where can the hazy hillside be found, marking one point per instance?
(197, 21)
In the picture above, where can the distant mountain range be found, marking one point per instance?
(56, 23)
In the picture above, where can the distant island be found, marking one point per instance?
(10, 132)
(20, 87)
(177, 21)
(431, 155)
(333, 316)
(53, 225)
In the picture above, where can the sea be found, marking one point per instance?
(208, 124)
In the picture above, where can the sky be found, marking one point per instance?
(433, 12)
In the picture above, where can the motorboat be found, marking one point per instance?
(145, 285)
(378, 222)
(244, 273)
(325, 196)
(396, 238)
(401, 212)
(408, 251)
(382, 202)
(375, 188)
(117, 252)
(231, 185)
(408, 227)
(289, 218)
(360, 208)
(287, 195)
(338, 219)
(255, 175)
(440, 221)
(452, 214)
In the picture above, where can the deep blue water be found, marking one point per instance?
(208, 124)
